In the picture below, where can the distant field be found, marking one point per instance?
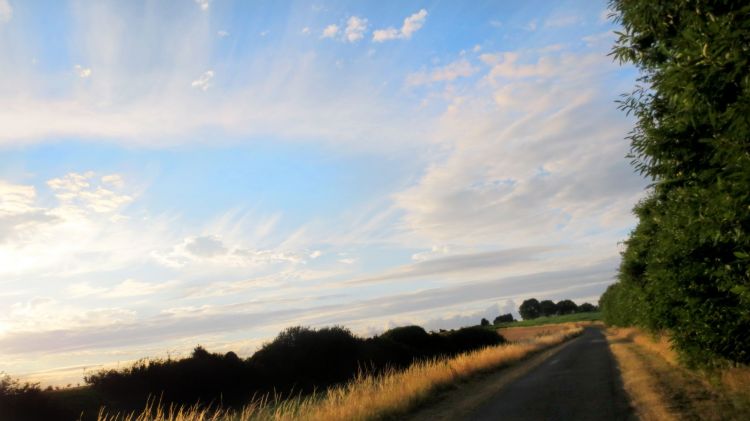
(577, 317)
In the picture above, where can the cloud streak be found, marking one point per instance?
(459, 263)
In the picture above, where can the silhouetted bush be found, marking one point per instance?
(302, 359)
(470, 338)
(298, 360)
(203, 377)
(484, 322)
(504, 318)
(27, 402)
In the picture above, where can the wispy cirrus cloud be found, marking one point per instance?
(459, 263)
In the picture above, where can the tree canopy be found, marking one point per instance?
(686, 266)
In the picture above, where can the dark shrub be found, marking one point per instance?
(504, 318)
(27, 402)
(303, 359)
(471, 338)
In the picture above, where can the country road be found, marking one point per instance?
(580, 382)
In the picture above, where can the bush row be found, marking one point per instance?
(298, 361)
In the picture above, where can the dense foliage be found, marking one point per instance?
(686, 266)
(299, 360)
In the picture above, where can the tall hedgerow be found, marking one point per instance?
(686, 267)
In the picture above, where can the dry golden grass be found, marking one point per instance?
(370, 397)
(642, 387)
(660, 388)
(736, 380)
(655, 343)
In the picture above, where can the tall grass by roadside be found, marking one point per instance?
(657, 343)
(661, 388)
(366, 397)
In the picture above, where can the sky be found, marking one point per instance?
(183, 172)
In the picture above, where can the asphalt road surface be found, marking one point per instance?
(580, 382)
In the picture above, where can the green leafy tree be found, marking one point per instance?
(587, 308)
(548, 308)
(566, 307)
(686, 266)
(530, 309)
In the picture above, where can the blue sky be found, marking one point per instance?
(212, 171)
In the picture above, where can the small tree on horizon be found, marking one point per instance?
(484, 322)
(530, 309)
(504, 318)
(566, 307)
(587, 308)
(548, 308)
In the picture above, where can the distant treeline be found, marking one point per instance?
(533, 308)
(686, 266)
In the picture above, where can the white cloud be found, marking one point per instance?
(153, 108)
(45, 314)
(204, 81)
(516, 147)
(306, 30)
(411, 25)
(222, 33)
(206, 246)
(114, 180)
(355, 29)
(76, 189)
(82, 72)
(6, 11)
(20, 218)
(330, 31)
(508, 65)
(457, 69)
(380, 35)
(211, 250)
(203, 4)
(15, 199)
